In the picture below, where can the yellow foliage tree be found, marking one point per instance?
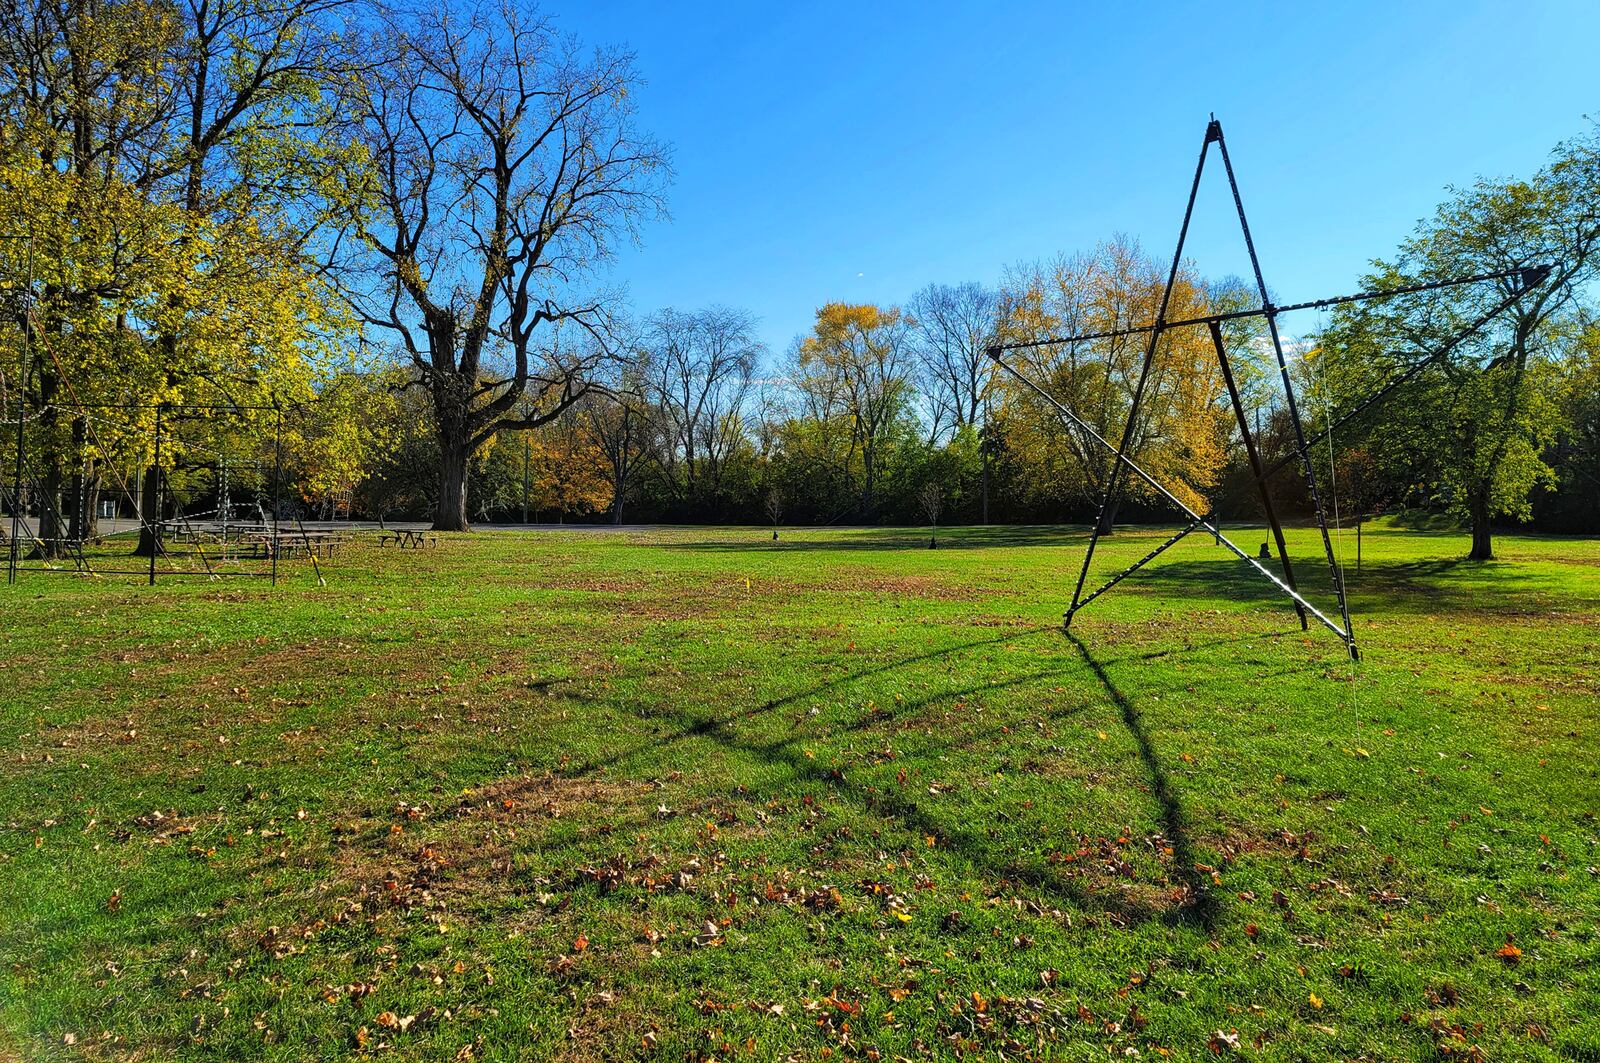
(157, 183)
(1181, 434)
(568, 472)
(855, 369)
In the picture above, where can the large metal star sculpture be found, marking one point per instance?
(1522, 279)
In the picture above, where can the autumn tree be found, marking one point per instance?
(332, 443)
(1576, 455)
(1180, 435)
(619, 422)
(855, 371)
(505, 163)
(1474, 427)
(567, 469)
(174, 168)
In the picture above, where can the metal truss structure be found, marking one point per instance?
(156, 525)
(1261, 471)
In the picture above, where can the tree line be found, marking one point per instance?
(392, 225)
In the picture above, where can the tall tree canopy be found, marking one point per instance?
(1470, 433)
(697, 369)
(162, 187)
(855, 370)
(955, 325)
(505, 161)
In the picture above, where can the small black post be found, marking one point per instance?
(155, 518)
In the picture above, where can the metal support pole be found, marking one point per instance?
(1523, 280)
(155, 518)
(1314, 304)
(1288, 394)
(1199, 521)
(1255, 462)
(1109, 499)
(1145, 560)
(277, 477)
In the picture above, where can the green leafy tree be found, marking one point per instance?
(164, 163)
(1472, 430)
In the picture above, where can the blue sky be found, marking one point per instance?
(832, 151)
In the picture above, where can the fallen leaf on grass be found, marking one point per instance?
(1221, 1042)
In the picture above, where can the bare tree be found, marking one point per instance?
(505, 163)
(955, 325)
(773, 504)
(698, 375)
(617, 419)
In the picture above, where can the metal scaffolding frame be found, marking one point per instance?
(1522, 281)
(155, 523)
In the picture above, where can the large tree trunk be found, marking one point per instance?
(77, 515)
(91, 501)
(149, 514)
(1482, 535)
(51, 529)
(1107, 521)
(453, 462)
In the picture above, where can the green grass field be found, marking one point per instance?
(692, 793)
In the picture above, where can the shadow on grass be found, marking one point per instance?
(1198, 906)
(697, 728)
(1394, 587)
(1174, 821)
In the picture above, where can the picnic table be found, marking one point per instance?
(316, 543)
(404, 537)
